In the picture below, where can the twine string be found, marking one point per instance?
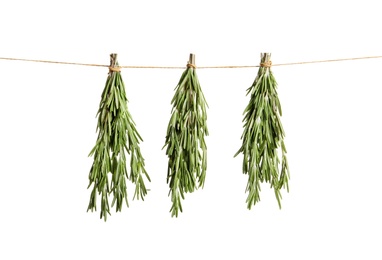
(266, 64)
(56, 62)
(192, 65)
(114, 69)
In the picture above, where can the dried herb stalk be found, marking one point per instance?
(116, 136)
(186, 147)
(263, 137)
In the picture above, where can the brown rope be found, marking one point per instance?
(191, 65)
(114, 69)
(56, 62)
(266, 64)
(151, 67)
(321, 61)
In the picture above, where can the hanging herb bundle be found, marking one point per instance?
(116, 136)
(186, 147)
(263, 137)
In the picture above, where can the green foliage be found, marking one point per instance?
(263, 137)
(116, 136)
(186, 148)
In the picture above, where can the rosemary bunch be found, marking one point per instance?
(116, 136)
(263, 137)
(186, 147)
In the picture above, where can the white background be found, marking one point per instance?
(331, 115)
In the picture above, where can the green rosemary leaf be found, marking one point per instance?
(116, 136)
(263, 137)
(186, 147)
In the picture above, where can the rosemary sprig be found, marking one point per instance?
(263, 137)
(116, 136)
(186, 147)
